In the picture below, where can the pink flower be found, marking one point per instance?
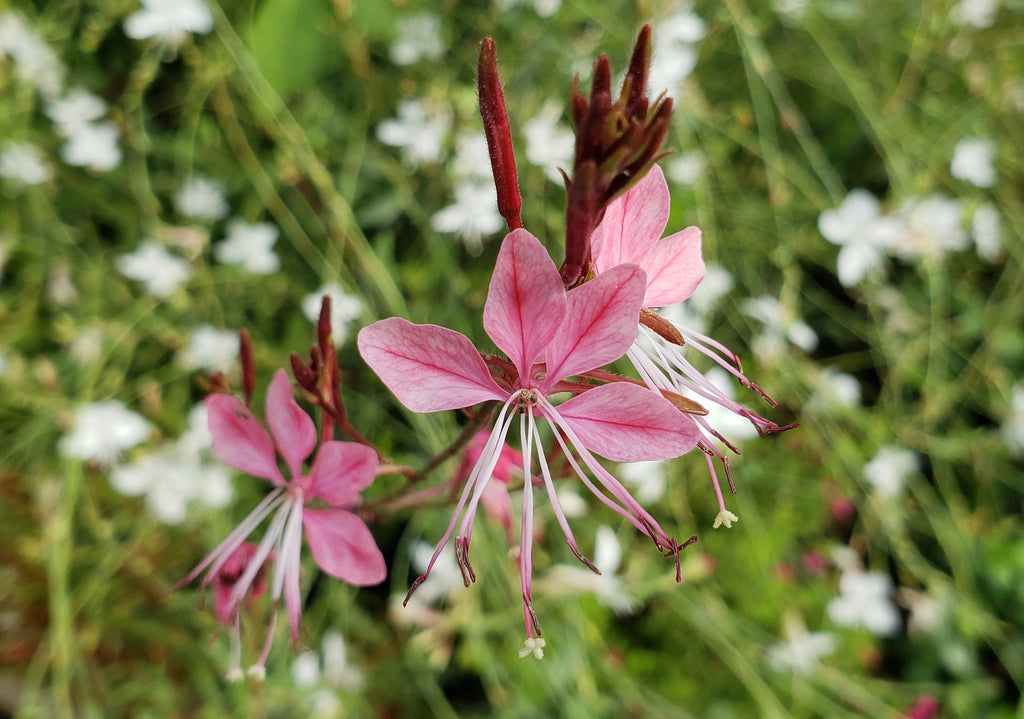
(340, 541)
(548, 335)
(629, 234)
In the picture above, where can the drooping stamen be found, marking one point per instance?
(526, 527)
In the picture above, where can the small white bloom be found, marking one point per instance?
(988, 238)
(648, 477)
(160, 271)
(933, 227)
(202, 199)
(864, 601)
(419, 38)
(861, 232)
(168, 21)
(549, 144)
(210, 348)
(801, 652)
(734, 427)
(419, 130)
(888, 470)
(102, 431)
(534, 646)
(674, 39)
(979, 13)
(780, 326)
(686, 169)
(543, 8)
(1013, 425)
(834, 389)
(473, 215)
(251, 246)
(606, 586)
(345, 309)
(35, 63)
(725, 517)
(22, 162)
(93, 145)
(60, 289)
(75, 108)
(972, 161)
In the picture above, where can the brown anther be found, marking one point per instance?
(684, 404)
(661, 326)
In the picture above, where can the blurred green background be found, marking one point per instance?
(878, 563)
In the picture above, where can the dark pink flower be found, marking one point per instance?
(548, 335)
(340, 541)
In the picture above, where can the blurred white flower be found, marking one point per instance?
(35, 63)
(732, 426)
(549, 143)
(210, 348)
(168, 21)
(472, 159)
(865, 601)
(419, 38)
(972, 161)
(933, 227)
(686, 168)
(250, 246)
(790, 10)
(473, 215)
(1013, 425)
(674, 39)
(159, 270)
(889, 468)
(862, 233)
(23, 163)
(801, 651)
(101, 431)
(60, 289)
(834, 389)
(608, 588)
(445, 579)
(780, 326)
(543, 8)
(93, 145)
(345, 309)
(324, 673)
(419, 130)
(979, 13)
(202, 199)
(988, 238)
(647, 477)
(75, 108)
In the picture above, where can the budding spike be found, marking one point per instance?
(499, 135)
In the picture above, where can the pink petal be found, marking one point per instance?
(341, 471)
(343, 546)
(428, 368)
(239, 439)
(525, 301)
(628, 423)
(674, 268)
(294, 431)
(600, 323)
(633, 223)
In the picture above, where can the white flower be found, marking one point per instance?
(685, 169)
(543, 8)
(168, 21)
(1013, 426)
(331, 667)
(734, 427)
(251, 246)
(834, 389)
(60, 289)
(93, 145)
(151, 264)
(549, 144)
(979, 13)
(473, 215)
(933, 227)
(988, 239)
(862, 234)
(472, 159)
(648, 477)
(780, 326)
(202, 199)
(75, 108)
(211, 349)
(419, 130)
(864, 601)
(35, 63)
(972, 161)
(608, 588)
(889, 468)
(101, 431)
(674, 40)
(801, 651)
(419, 38)
(22, 162)
(345, 309)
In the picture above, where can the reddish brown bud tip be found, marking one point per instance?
(498, 134)
(323, 325)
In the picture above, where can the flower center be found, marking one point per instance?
(527, 398)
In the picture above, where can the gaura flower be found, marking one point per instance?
(548, 336)
(340, 541)
(674, 268)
